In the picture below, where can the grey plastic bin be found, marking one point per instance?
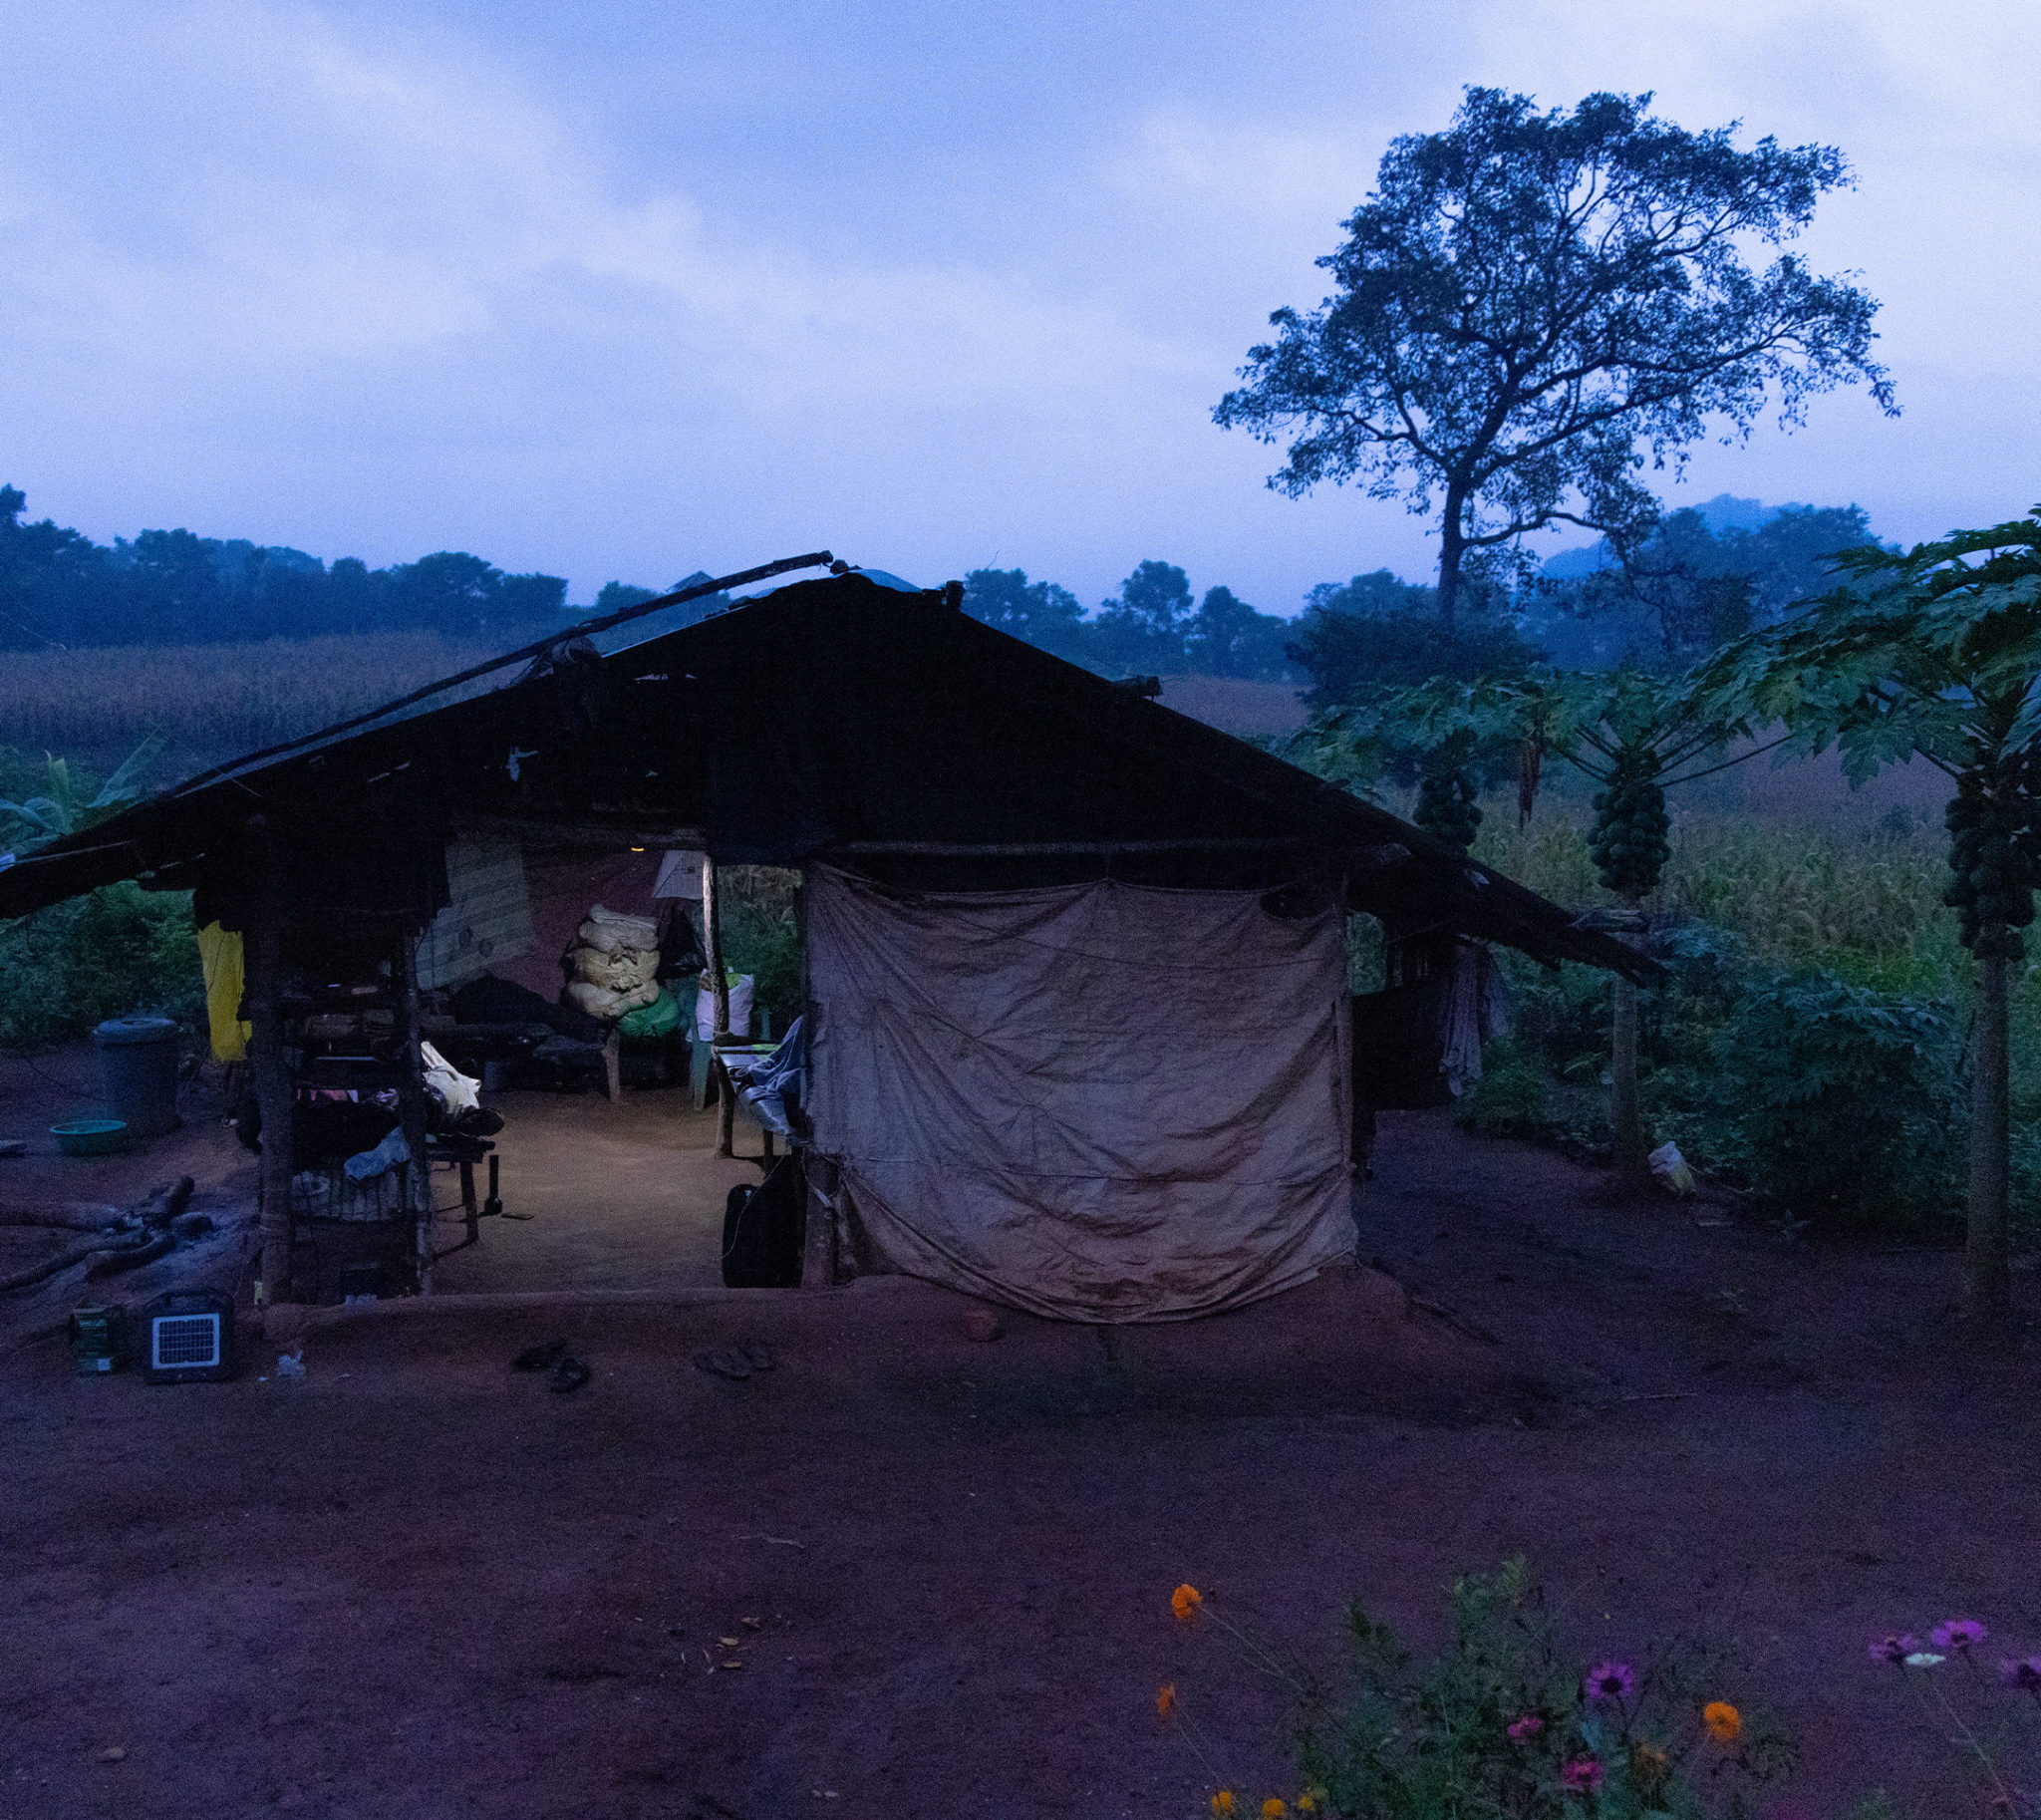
(138, 1070)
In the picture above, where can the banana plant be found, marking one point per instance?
(63, 806)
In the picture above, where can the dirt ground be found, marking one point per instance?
(416, 1583)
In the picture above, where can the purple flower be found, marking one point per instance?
(1895, 1649)
(1583, 1777)
(2024, 1674)
(1957, 1634)
(1528, 1726)
(1610, 1683)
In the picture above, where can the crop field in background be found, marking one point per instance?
(208, 701)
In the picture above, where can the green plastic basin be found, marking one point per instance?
(90, 1136)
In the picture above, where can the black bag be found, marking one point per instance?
(764, 1229)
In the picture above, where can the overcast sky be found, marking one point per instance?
(634, 287)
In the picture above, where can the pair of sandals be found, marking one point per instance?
(745, 1360)
(564, 1372)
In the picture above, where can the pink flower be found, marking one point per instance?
(1610, 1683)
(1528, 1726)
(1895, 1649)
(1957, 1634)
(2025, 1675)
(1583, 1777)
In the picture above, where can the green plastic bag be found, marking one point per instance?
(659, 1019)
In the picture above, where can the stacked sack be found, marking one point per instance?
(614, 964)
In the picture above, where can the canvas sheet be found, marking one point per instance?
(1101, 1103)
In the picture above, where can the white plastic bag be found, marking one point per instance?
(741, 989)
(1670, 1168)
(456, 1091)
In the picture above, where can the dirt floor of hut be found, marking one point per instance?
(602, 1195)
(627, 1195)
(415, 1582)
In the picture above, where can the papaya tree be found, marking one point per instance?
(1635, 734)
(1934, 652)
(1638, 735)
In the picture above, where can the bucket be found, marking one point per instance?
(139, 1071)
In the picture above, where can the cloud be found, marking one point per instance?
(318, 240)
(381, 277)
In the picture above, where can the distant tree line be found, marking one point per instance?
(1151, 625)
(1703, 576)
(57, 589)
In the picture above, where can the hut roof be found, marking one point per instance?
(842, 718)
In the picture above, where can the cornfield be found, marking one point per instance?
(209, 702)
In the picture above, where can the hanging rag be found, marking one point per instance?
(220, 960)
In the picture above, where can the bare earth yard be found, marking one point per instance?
(416, 1584)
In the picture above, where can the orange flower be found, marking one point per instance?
(1651, 1764)
(1184, 1601)
(1273, 1809)
(1222, 1802)
(1306, 1803)
(1165, 1698)
(1724, 1722)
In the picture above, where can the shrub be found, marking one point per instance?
(1505, 1720)
(1839, 1101)
(1513, 1098)
(118, 950)
(761, 937)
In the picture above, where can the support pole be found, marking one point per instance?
(1626, 1121)
(719, 987)
(264, 988)
(411, 1110)
(1987, 1278)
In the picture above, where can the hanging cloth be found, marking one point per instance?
(219, 956)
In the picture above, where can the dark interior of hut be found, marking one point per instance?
(554, 1030)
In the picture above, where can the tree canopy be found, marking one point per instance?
(58, 588)
(1149, 626)
(1532, 303)
(1690, 586)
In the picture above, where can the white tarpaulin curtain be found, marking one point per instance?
(1099, 1103)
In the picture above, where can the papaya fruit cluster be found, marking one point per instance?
(1991, 862)
(1446, 806)
(1629, 840)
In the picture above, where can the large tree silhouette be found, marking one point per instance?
(1532, 303)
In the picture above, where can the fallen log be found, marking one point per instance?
(65, 1216)
(40, 1273)
(132, 1257)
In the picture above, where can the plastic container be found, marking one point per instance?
(138, 1070)
(89, 1137)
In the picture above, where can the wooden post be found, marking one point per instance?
(411, 1108)
(1987, 1278)
(719, 987)
(1626, 1121)
(264, 988)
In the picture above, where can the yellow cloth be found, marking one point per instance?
(219, 953)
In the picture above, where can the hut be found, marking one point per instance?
(1076, 1031)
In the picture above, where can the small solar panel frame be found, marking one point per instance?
(189, 1337)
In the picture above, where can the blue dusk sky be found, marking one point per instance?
(627, 288)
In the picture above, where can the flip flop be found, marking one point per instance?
(723, 1364)
(568, 1375)
(541, 1358)
(756, 1354)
